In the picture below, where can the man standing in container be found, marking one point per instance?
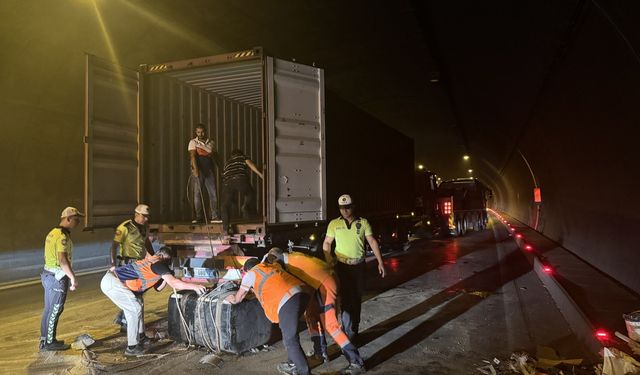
(284, 299)
(350, 232)
(201, 153)
(57, 277)
(235, 179)
(131, 243)
(125, 285)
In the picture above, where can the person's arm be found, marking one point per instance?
(183, 285)
(326, 248)
(238, 297)
(114, 256)
(376, 251)
(253, 168)
(194, 165)
(160, 285)
(149, 246)
(66, 268)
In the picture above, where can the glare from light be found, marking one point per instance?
(420, 166)
(470, 170)
(312, 237)
(466, 157)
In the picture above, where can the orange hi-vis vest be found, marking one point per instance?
(146, 278)
(273, 286)
(307, 268)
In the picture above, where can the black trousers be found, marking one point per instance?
(55, 295)
(289, 315)
(229, 191)
(351, 279)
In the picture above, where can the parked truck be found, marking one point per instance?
(138, 124)
(462, 205)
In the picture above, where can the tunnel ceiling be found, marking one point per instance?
(456, 76)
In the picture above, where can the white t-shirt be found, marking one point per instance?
(202, 148)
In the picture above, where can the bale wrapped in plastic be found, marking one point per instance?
(209, 322)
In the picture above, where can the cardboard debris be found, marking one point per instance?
(82, 342)
(617, 362)
(212, 359)
(547, 358)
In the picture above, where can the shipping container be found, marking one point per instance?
(139, 122)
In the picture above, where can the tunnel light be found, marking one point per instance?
(602, 334)
(465, 157)
(528, 247)
(547, 269)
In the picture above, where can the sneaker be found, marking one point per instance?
(54, 346)
(143, 339)
(134, 352)
(324, 357)
(287, 368)
(216, 220)
(353, 369)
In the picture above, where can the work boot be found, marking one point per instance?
(135, 351)
(54, 346)
(353, 369)
(287, 368)
(321, 357)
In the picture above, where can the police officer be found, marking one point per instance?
(124, 285)
(284, 299)
(350, 232)
(57, 277)
(131, 243)
(319, 275)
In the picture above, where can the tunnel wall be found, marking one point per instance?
(43, 46)
(582, 150)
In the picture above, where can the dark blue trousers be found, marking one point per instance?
(289, 315)
(55, 295)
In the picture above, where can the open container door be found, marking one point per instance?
(296, 152)
(112, 168)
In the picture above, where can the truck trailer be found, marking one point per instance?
(139, 121)
(462, 205)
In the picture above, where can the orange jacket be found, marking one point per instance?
(307, 268)
(273, 286)
(146, 278)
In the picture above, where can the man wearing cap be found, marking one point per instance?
(318, 274)
(201, 154)
(57, 277)
(284, 299)
(131, 243)
(350, 232)
(124, 286)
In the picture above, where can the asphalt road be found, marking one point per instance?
(444, 307)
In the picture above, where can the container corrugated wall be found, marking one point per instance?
(172, 109)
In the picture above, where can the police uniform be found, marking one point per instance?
(350, 267)
(54, 281)
(132, 238)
